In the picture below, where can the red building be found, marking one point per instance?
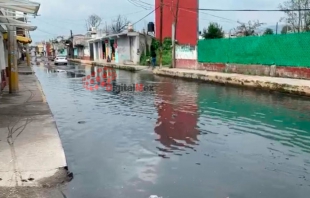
(187, 26)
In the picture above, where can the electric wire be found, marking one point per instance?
(146, 16)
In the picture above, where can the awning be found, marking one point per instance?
(24, 6)
(17, 23)
(22, 39)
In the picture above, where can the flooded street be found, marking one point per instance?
(185, 139)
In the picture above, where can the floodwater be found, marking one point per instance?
(183, 140)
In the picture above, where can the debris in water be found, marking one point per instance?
(81, 122)
(155, 196)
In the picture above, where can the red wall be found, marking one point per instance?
(187, 27)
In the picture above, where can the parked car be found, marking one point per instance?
(60, 60)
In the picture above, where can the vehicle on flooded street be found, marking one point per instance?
(61, 60)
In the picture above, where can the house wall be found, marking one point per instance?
(135, 57)
(186, 57)
(123, 49)
(64, 53)
(143, 43)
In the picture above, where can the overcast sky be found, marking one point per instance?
(58, 17)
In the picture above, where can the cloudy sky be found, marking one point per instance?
(58, 17)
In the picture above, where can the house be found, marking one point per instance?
(13, 19)
(124, 48)
(81, 47)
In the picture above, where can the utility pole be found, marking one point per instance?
(161, 34)
(174, 35)
(299, 17)
(12, 60)
(71, 45)
(277, 28)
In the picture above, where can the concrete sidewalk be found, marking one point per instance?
(31, 153)
(287, 85)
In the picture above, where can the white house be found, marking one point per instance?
(125, 47)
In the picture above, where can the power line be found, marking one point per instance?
(46, 32)
(141, 4)
(146, 15)
(76, 21)
(250, 10)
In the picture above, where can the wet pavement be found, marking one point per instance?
(185, 139)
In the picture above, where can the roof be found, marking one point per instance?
(24, 6)
(125, 33)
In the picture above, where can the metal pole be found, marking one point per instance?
(277, 28)
(174, 34)
(173, 45)
(161, 35)
(27, 55)
(71, 45)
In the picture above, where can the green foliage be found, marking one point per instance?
(214, 31)
(167, 52)
(249, 29)
(268, 31)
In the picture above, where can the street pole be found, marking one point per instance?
(161, 35)
(277, 28)
(12, 60)
(174, 32)
(71, 45)
(28, 55)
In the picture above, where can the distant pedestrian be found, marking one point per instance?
(153, 56)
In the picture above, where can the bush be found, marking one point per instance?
(167, 54)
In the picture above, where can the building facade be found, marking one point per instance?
(187, 26)
(123, 48)
(81, 47)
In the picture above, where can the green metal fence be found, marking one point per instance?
(284, 50)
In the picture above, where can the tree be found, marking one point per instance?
(214, 31)
(119, 24)
(285, 29)
(93, 21)
(249, 29)
(268, 31)
(298, 21)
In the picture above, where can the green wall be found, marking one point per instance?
(282, 50)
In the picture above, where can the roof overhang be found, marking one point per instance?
(24, 6)
(17, 23)
(20, 39)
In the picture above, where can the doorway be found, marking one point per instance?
(113, 49)
(104, 53)
(91, 51)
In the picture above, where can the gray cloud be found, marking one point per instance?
(58, 17)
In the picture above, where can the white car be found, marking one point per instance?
(60, 60)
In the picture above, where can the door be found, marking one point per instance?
(91, 51)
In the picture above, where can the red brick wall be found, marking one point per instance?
(260, 70)
(186, 64)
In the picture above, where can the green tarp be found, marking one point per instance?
(282, 50)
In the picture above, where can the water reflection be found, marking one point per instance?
(177, 118)
(234, 143)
